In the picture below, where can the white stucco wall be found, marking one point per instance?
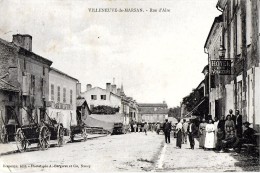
(111, 100)
(65, 116)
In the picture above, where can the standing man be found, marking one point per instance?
(238, 124)
(192, 131)
(233, 117)
(185, 131)
(167, 130)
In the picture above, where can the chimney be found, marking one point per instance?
(114, 89)
(78, 89)
(24, 41)
(89, 86)
(118, 91)
(108, 87)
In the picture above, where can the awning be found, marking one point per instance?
(188, 114)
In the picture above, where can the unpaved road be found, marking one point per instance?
(130, 152)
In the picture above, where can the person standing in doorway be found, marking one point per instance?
(239, 124)
(179, 134)
(192, 132)
(184, 131)
(167, 130)
(202, 131)
(221, 124)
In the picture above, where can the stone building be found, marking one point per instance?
(235, 35)
(8, 104)
(29, 74)
(153, 112)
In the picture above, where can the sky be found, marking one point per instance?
(157, 56)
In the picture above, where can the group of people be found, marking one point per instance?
(183, 130)
(219, 134)
(141, 127)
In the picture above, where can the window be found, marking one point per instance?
(103, 97)
(71, 97)
(64, 95)
(52, 92)
(58, 94)
(32, 84)
(93, 97)
(43, 71)
(248, 22)
(24, 64)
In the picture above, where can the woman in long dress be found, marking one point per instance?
(202, 130)
(179, 134)
(209, 139)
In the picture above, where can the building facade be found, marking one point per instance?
(113, 97)
(29, 73)
(62, 98)
(239, 38)
(153, 112)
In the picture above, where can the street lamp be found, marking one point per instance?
(221, 52)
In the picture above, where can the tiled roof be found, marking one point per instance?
(152, 105)
(62, 73)
(7, 86)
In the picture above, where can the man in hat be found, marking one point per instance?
(247, 138)
(192, 130)
(167, 131)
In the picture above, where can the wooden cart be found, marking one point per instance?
(40, 133)
(80, 129)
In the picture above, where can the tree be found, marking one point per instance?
(175, 112)
(104, 110)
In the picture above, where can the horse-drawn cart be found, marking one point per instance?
(39, 133)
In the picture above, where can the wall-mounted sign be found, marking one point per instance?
(221, 67)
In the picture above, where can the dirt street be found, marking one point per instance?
(130, 152)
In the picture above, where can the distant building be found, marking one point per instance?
(97, 96)
(62, 98)
(153, 112)
(29, 74)
(113, 97)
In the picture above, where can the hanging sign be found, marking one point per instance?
(221, 67)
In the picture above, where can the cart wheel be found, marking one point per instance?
(21, 142)
(44, 138)
(84, 134)
(3, 134)
(60, 134)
